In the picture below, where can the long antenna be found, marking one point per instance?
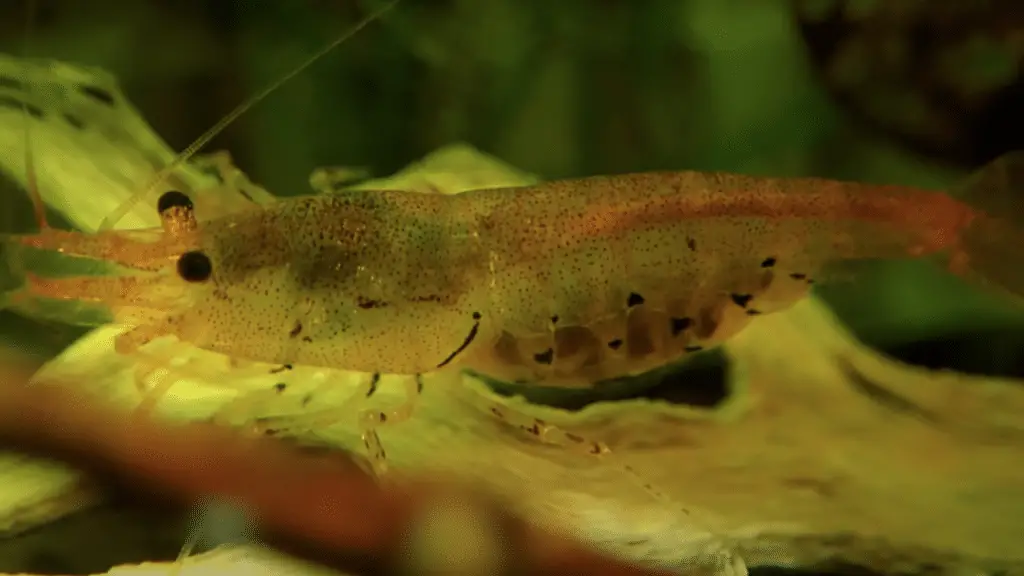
(112, 219)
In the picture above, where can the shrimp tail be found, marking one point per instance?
(990, 248)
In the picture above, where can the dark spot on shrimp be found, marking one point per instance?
(429, 298)
(12, 83)
(677, 325)
(195, 266)
(693, 348)
(74, 121)
(15, 104)
(753, 312)
(306, 400)
(382, 417)
(173, 199)
(419, 383)
(307, 339)
(367, 303)
(374, 380)
(798, 276)
(768, 262)
(545, 357)
(465, 343)
(741, 300)
(281, 368)
(280, 387)
(554, 319)
(615, 344)
(634, 299)
(691, 244)
(296, 330)
(98, 94)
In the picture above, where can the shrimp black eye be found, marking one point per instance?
(173, 199)
(195, 266)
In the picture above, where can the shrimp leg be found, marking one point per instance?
(369, 420)
(547, 433)
(238, 186)
(332, 179)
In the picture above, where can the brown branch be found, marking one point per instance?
(320, 508)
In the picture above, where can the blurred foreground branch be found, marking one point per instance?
(320, 508)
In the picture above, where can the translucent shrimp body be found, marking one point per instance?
(561, 284)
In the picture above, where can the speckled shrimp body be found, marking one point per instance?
(561, 284)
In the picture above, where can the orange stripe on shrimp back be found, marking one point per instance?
(626, 203)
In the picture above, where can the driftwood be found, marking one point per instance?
(321, 508)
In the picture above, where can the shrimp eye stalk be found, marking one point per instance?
(177, 213)
(195, 266)
(173, 199)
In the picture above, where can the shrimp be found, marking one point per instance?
(562, 284)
